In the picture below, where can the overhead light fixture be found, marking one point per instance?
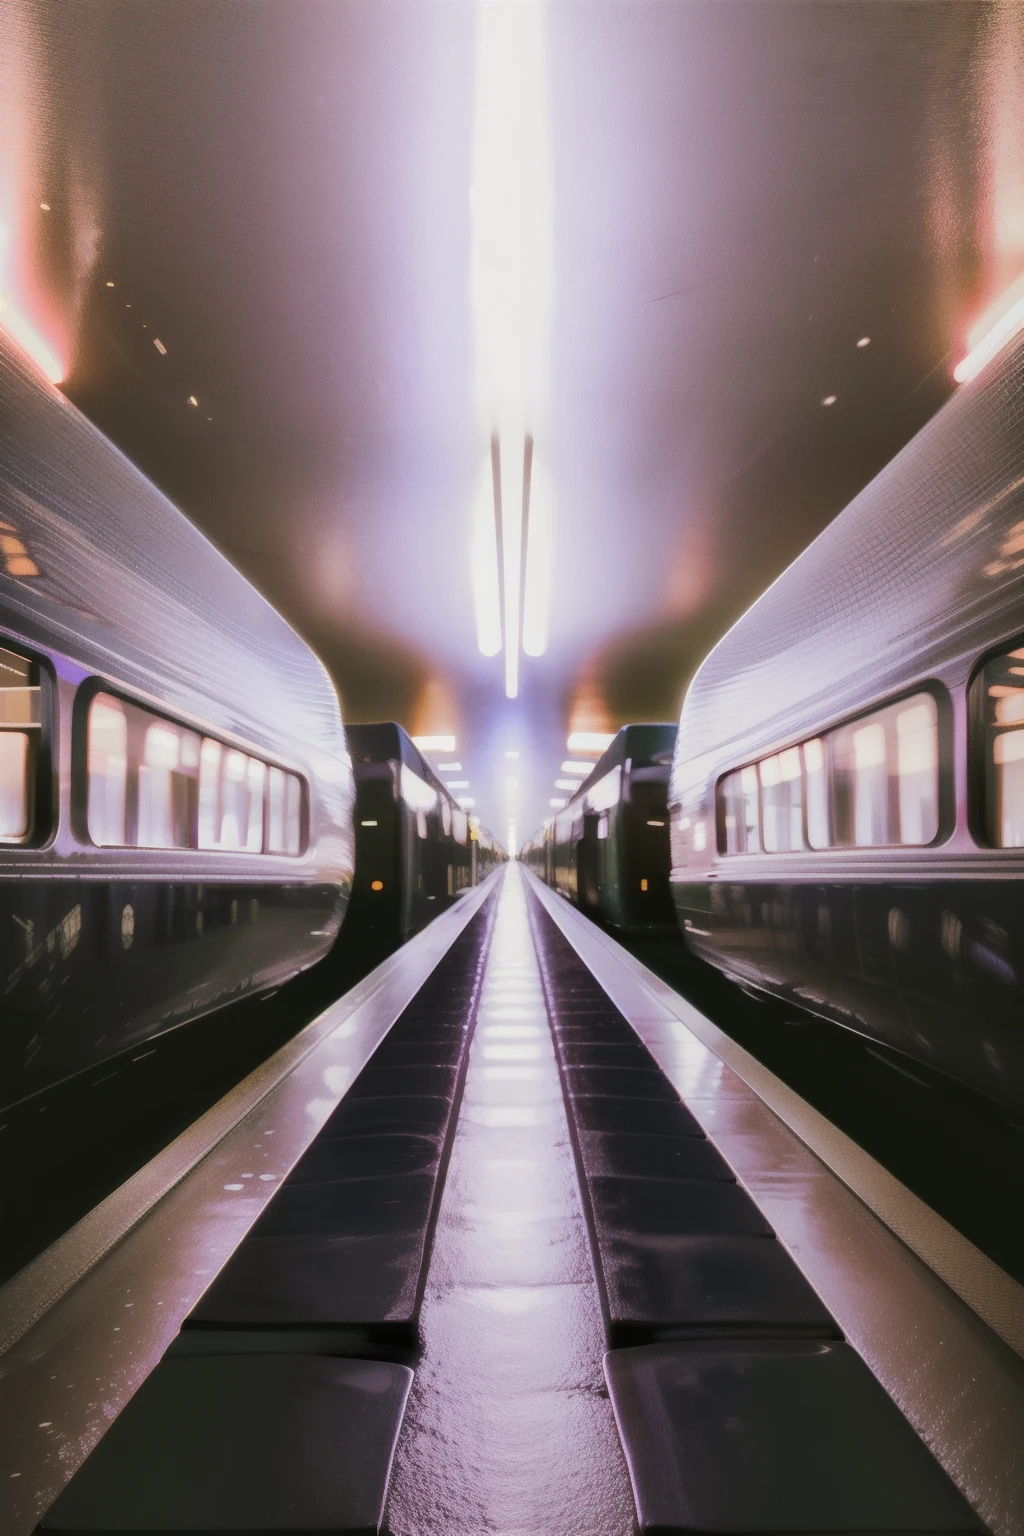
(1000, 325)
(567, 783)
(572, 766)
(829, 400)
(434, 743)
(511, 754)
(510, 264)
(558, 805)
(449, 767)
(466, 801)
(457, 784)
(590, 741)
(511, 785)
(865, 341)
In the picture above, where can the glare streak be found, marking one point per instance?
(1002, 332)
(536, 601)
(484, 561)
(30, 341)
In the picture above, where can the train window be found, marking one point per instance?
(870, 784)
(167, 782)
(20, 717)
(15, 784)
(1001, 690)
(606, 792)
(416, 792)
(917, 743)
(782, 809)
(153, 783)
(19, 706)
(284, 812)
(885, 776)
(738, 812)
(816, 793)
(108, 772)
(231, 796)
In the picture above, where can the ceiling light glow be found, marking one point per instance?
(558, 805)
(457, 784)
(567, 783)
(434, 743)
(590, 741)
(449, 767)
(829, 400)
(571, 765)
(865, 341)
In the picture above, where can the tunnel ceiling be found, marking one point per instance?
(740, 193)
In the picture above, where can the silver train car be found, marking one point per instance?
(175, 788)
(847, 791)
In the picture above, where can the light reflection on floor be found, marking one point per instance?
(508, 1431)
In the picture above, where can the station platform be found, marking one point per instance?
(512, 1239)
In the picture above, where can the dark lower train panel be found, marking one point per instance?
(90, 969)
(934, 970)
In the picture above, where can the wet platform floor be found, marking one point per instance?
(509, 1428)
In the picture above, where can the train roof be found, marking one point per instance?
(919, 565)
(120, 581)
(645, 745)
(379, 741)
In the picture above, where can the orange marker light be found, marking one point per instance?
(376, 885)
(643, 885)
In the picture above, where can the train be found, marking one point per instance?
(417, 849)
(607, 849)
(846, 801)
(177, 792)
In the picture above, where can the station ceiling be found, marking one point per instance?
(740, 192)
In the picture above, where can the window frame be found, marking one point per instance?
(85, 695)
